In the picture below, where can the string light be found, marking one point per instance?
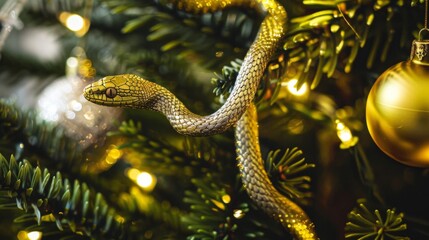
(226, 198)
(75, 23)
(113, 154)
(144, 179)
(78, 22)
(238, 213)
(79, 65)
(120, 219)
(345, 135)
(132, 173)
(34, 235)
(292, 87)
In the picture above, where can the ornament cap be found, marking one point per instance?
(420, 52)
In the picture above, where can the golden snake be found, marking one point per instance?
(129, 90)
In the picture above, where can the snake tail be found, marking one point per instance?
(121, 91)
(258, 184)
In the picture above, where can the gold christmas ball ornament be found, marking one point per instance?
(397, 110)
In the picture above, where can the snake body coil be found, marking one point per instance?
(259, 186)
(129, 90)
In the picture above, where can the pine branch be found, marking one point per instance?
(231, 25)
(216, 213)
(54, 198)
(324, 41)
(365, 223)
(225, 81)
(366, 172)
(26, 128)
(197, 156)
(137, 204)
(286, 173)
(212, 36)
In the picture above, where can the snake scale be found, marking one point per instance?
(128, 90)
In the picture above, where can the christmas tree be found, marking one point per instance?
(74, 169)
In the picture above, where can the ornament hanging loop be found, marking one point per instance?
(421, 31)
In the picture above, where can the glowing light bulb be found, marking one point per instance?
(132, 173)
(292, 88)
(113, 155)
(238, 213)
(72, 62)
(146, 181)
(75, 23)
(345, 135)
(226, 198)
(34, 235)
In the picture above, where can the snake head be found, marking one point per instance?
(120, 90)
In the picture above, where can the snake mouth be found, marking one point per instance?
(92, 92)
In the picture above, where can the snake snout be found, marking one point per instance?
(87, 91)
(91, 91)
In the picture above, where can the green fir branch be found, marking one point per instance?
(217, 37)
(28, 129)
(329, 39)
(214, 214)
(202, 149)
(366, 223)
(26, 222)
(231, 25)
(57, 199)
(224, 82)
(366, 173)
(138, 203)
(195, 158)
(286, 172)
(163, 157)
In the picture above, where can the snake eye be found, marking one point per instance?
(110, 92)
